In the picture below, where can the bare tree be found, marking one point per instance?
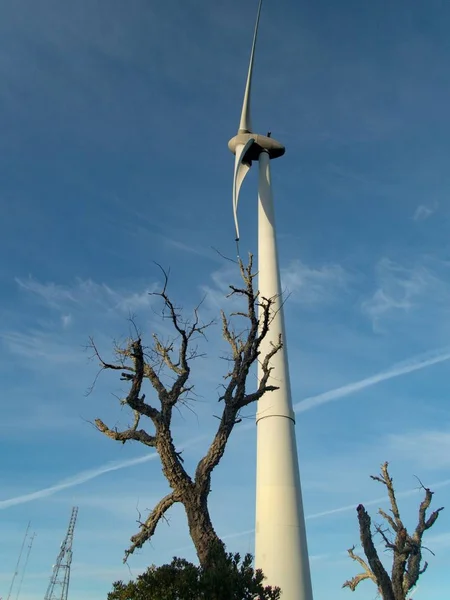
(138, 364)
(406, 548)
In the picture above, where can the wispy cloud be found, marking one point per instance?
(312, 286)
(192, 249)
(416, 363)
(440, 540)
(424, 211)
(306, 285)
(85, 293)
(429, 449)
(39, 417)
(66, 320)
(216, 291)
(399, 288)
(45, 345)
(51, 293)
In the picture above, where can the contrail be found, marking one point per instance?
(76, 480)
(381, 500)
(413, 364)
(417, 363)
(87, 475)
(348, 507)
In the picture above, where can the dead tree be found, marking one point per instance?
(139, 364)
(406, 548)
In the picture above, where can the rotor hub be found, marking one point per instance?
(263, 143)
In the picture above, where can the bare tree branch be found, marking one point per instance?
(353, 583)
(121, 366)
(149, 526)
(415, 557)
(388, 543)
(406, 549)
(129, 434)
(378, 570)
(245, 353)
(389, 519)
(385, 479)
(140, 366)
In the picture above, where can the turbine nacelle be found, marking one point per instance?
(247, 147)
(260, 144)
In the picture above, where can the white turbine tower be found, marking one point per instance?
(280, 539)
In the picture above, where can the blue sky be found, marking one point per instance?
(115, 119)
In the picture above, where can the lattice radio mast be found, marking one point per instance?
(16, 570)
(58, 588)
(30, 545)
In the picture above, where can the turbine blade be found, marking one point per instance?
(241, 168)
(245, 126)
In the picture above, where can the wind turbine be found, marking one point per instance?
(280, 536)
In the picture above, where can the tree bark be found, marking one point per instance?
(139, 365)
(209, 547)
(371, 553)
(406, 549)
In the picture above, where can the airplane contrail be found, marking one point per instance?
(348, 507)
(87, 475)
(416, 363)
(381, 500)
(422, 361)
(77, 479)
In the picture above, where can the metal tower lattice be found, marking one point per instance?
(24, 570)
(58, 588)
(16, 570)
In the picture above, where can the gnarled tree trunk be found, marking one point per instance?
(207, 543)
(406, 548)
(137, 366)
